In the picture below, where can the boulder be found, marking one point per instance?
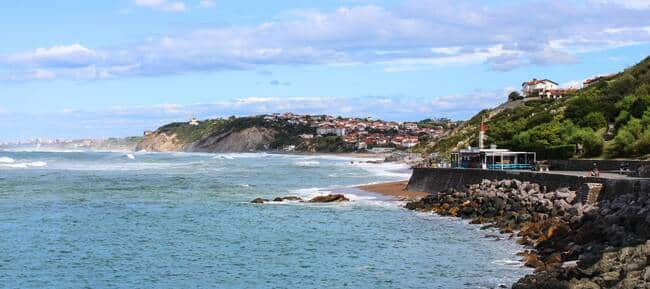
(287, 198)
(561, 205)
(329, 199)
(259, 201)
(569, 196)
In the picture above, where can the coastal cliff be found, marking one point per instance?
(160, 142)
(243, 134)
(249, 139)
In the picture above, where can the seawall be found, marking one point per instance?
(434, 180)
(642, 168)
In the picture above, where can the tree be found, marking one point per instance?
(623, 143)
(591, 142)
(514, 96)
(594, 120)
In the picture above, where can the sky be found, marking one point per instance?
(75, 69)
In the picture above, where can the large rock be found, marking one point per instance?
(329, 199)
(259, 201)
(287, 198)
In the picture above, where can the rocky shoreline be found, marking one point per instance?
(573, 241)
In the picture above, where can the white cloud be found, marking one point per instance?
(572, 84)
(416, 35)
(632, 4)
(132, 120)
(62, 55)
(446, 50)
(206, 3)
(163, 5)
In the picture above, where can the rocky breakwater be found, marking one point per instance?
(570, 244)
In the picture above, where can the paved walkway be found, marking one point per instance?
(613, 176)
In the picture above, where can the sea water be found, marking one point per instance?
(178, 220)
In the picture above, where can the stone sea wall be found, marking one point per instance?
(639, 167)
(438, 179)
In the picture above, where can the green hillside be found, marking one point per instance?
(287, 133)
(608, 119)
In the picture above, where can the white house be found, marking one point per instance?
(326, 129)
(193, 122)
(306, 136)
(410, 126)
(362, 146)
(537, 87)
(556, 93)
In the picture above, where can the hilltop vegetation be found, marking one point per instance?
(608, 119)
(286, 133)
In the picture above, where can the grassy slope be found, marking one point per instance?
(540, 125)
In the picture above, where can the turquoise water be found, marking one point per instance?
(113, 220)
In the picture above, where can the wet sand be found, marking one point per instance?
(394, 189)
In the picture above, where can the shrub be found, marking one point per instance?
(538, 119)
(514, 96)
(561, 152)
(592, 143)
(594, 120)
(622, 145)
(642, 145)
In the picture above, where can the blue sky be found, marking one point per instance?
(72, 69)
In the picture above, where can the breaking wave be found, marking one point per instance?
(7, 160)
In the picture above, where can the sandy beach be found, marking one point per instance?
(394, 189)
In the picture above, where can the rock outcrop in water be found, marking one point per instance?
(259, 201)
(574, 244)
(329, 199)
(287, 198)
(332, 198)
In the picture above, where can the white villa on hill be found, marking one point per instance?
(537, 87)
(544, 88)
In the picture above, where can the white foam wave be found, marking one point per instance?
(37, 164)
(307, 163)
(24, 165)
(223, 157)
(7, 160)
(309, 193)
(507, 262)
(396, 171)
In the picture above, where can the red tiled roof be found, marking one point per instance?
(537, 81)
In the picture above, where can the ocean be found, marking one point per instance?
(181, 220)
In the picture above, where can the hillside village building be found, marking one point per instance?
(362, 133)
(327, 129)
(493, 159)
(596, 79)
(537, 87)
(544, 89)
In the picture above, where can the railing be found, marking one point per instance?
(510, 166)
